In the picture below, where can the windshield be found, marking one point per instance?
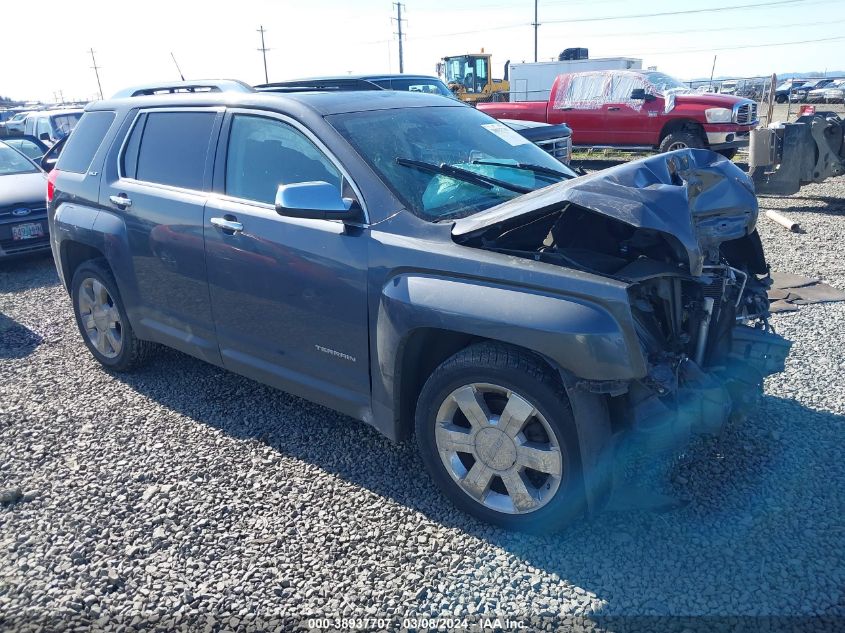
(665, 83)
(458, 135)
(12, 162)
(64, 123)
(25, 146)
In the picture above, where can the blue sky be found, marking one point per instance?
(133, 41)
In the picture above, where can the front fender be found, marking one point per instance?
(582, 338)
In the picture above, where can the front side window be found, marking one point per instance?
(171, 149)
(265, 153)
(432, 86)
(622, 85)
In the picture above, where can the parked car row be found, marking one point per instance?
(49, 125)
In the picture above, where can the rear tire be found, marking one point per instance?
(681, 139)
(101, 318)
(496, 433)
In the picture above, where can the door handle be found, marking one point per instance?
(121, 201)
(230, 226)
(612, 109)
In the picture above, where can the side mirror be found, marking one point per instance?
(44, 136)
(639, 94)
(316, 200)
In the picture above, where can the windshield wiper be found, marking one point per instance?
(537, 169)
(463, 174)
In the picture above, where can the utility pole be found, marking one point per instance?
(264, 50)
(177, 66)
(96, 72)
(398, 19)
(535, 24)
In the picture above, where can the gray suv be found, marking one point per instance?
(417, 265)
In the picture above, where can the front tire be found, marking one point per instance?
(497, 435)
(681, 139)
(101, 318)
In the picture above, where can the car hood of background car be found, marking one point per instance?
(23, 189)
(697, 196)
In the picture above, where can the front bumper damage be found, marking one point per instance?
(679, 229)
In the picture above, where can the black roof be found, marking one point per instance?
(323, 103)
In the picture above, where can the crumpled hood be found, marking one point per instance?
(697, 196)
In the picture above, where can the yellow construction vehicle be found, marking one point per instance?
(469, 77)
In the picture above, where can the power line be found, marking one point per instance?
(96, 72)
(264, 50)
(744, 46)
(398, 19)
(720, 29)
(632, 16)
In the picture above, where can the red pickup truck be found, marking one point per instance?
(642, 109)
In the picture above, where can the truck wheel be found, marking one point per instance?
(780, 99)
(681, 139)
(496, 432)
(728, 153)
(102, 319)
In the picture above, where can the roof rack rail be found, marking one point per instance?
(304, 85)
(186, 87)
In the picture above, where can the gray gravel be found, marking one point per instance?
(185, 496)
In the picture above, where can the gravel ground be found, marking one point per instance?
(185, 497)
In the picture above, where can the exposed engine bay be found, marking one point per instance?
(679, 229)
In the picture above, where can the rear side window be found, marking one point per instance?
(80, 148)
(173, 148)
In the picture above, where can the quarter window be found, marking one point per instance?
(171, 148)
(82, 145)
(265, 153)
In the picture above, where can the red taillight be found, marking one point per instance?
(51, 185)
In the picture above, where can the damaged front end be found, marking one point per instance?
(679, 229)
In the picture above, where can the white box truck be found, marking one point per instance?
(532, 81)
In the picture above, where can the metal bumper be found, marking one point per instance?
(728, 140)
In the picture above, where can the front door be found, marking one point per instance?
(288, 294)
(630, 121)
(580, 102)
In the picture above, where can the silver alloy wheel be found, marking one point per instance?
(100, 318)
(677, 145)
(490, 456)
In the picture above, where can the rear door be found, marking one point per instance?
(288, 294)
(580, 102)
(159, 192)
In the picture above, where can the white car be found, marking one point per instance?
(832, 93)
(49, 126)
